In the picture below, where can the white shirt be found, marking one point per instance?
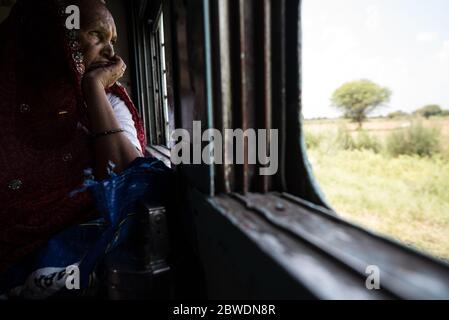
(125, 119)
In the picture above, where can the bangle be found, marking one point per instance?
(106, 133)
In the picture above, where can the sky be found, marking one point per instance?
(401, 44)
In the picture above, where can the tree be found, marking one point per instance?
(429, 111)
(397, 115)
(359, 98)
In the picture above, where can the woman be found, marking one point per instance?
(62, 111)
(103, 69)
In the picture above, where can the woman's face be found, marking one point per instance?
(98, 34)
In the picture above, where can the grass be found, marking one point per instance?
(404, 197)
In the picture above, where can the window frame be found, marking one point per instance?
(145, 16)
(160, 88)
(258, 224)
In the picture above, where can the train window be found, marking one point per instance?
(160, 94)
(153, 74)
(376, 113)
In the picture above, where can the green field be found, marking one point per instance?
(405, 197)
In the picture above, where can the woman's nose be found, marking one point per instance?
(108, 51)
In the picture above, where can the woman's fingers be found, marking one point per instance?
(110, 74)
(118, 65)
(118, 61)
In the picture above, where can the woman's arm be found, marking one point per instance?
(114, 147)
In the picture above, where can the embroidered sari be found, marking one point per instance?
(45, 150)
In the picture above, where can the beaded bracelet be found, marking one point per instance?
(106, 133)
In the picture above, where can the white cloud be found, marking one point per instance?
(443, 53)
(373, 18)
(426, 37)
(339, 40)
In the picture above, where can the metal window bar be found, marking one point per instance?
(164, 80)
(160, 83)
(243, 82)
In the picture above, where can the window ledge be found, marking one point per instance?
(330, 256)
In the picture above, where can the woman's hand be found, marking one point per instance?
(108, 74)
(115, 147)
